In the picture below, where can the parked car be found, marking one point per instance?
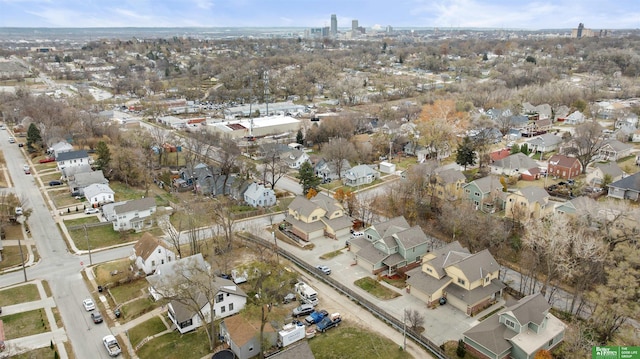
(91, 210)
(289, 298)
(96, 317)
(19, 211)
(12, 140)
(47, 160)
(324, 269)
(88, 304)
(55, 183)
(303, 309)
(20, 144)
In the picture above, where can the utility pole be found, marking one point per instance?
(88, 244)
(24, 268)
(404, 330)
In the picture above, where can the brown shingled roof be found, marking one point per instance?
(147, 244)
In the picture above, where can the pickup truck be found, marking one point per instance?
(315, 317)
(112, 345)
(329, 322)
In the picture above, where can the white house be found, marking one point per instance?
(575, 118)
(257, 195)
(98, 194)
(149, 252)
(228, 299)
(60, 147)
(136, 214)
(295, 158)
(72, 159)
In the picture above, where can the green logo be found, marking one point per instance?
(615, 352)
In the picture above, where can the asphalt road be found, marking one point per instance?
(57, 266)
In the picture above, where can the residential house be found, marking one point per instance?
(257, 195)
(328, 171)
(543, 111)
(134, 215)
(635, 137)
(537, 127)
(448, 184)
(487, 194)
(242, 335)
(629, 121)
(319, 216)
(81, 180)
(626, 188)
(294, 158)
(424, 153)
(513, 165)
(499, 154)
(547, 142)
(299, 350)
(360, 175)
(228, 299)
(613, 150)
(578, 206)
(149, 252)
(389, 246)
(468, 282)
(519, 331)
(59, 147)
(601, 170)
(71, 172)
(564, 167)
(575, 118)
(72, 159)
(98, 194)
(528, 202)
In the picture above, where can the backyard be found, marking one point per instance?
(376, 289)
(176, 346)
(349, 341)
(145, 329)
(104, 236)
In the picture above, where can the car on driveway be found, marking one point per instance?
(96, 317)
(324, 269)
(47, 160)
(290, 297)
(303, 309)
(88, 304)
(55, 183)
(91, 210)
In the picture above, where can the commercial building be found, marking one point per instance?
(256, 127)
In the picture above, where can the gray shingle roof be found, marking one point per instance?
(65, 156)
(411, 237)
(534, 194)
(516, 161)
(135, 205)
(97, 188)
(628, 183)
(610, 168)
(530, 309)
(478, 265)
(488, 184)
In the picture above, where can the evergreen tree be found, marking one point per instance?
(104, 155)
(300, 137)
(33, 136)
(307, 178)
(525, 149)
(466, 156)
(515, 149)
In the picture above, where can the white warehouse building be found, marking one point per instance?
(277, 108)
(262, 126)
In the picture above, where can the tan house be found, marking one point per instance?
(599, 171)
(528, 202)
(469, 282)
(449, 184)
(317, 217)
(613, 150)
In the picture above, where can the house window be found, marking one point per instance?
(486, 280)
(162, 261)
(222, 309)
(461, 281)
(153, 263)
(429, 270)
(509, 323)
(219, 298)
(476, 194)
(550, 343)
(230, 307)
(186, 323)
(158, 250)
(314, 218)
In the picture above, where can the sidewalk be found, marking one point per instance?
(42, 340)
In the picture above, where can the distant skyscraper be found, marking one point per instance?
(334, 25)
(354, 25)
(580, 28)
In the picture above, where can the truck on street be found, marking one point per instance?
(329, 322)
(112, 345)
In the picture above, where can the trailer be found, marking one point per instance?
(307, 294)
(290, 334)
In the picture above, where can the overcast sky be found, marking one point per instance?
(518, 14)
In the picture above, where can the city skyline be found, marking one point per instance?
(527, 15)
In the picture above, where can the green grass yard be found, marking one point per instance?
(132, 290)
(355, 343)
(22, 294)
(25, 324)
(145, 329)
(376, 289)
(176, 346)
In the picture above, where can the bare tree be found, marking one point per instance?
(274, 166)
(227, 159)
(413, 318)
(338, 151)
(586, 143)
(222, 216)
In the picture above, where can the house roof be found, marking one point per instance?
(530, 309)
(446, 255)
(391, 226)
(302, 205)
(500, 154)
(241, 329)
(135, 205)
(581, 205)
(338, 222)
(96, 189)
(185, 310)
(534, 194)
(425, 282)
(360, 171)
(610, 168)
(477, 294)
(411, 237)
(393, 260)
(548, 139)
(451, 175)
(300, 350)
(477, 266)
(329, 204)
(147, 244)
(487, 184)
(562, 161)
(84, 179)
(306, 227)
(516, 161)
(256, 190)
(371, 254)
(628, 183)
(72, 155)
(491, 335)
(617, 145)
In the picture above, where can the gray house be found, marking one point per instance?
(486, 193)
(328, 171)
(243, 335)
(626, 188)
(83, 179)
(360, 175)
(257, 195)
(391, 245)
(518, 331)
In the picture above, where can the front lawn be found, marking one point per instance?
(22, 294)
(376, 289)
(176, 346)
(25, 324)
(41, 353)
(138, 307)
(151, 327)
(11, 256)
(104, 236)
(13, 231)
(63, 199)
(129, 291)
(112, 272)
(352, 342)
(80, 221)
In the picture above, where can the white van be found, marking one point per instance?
(355, 235)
